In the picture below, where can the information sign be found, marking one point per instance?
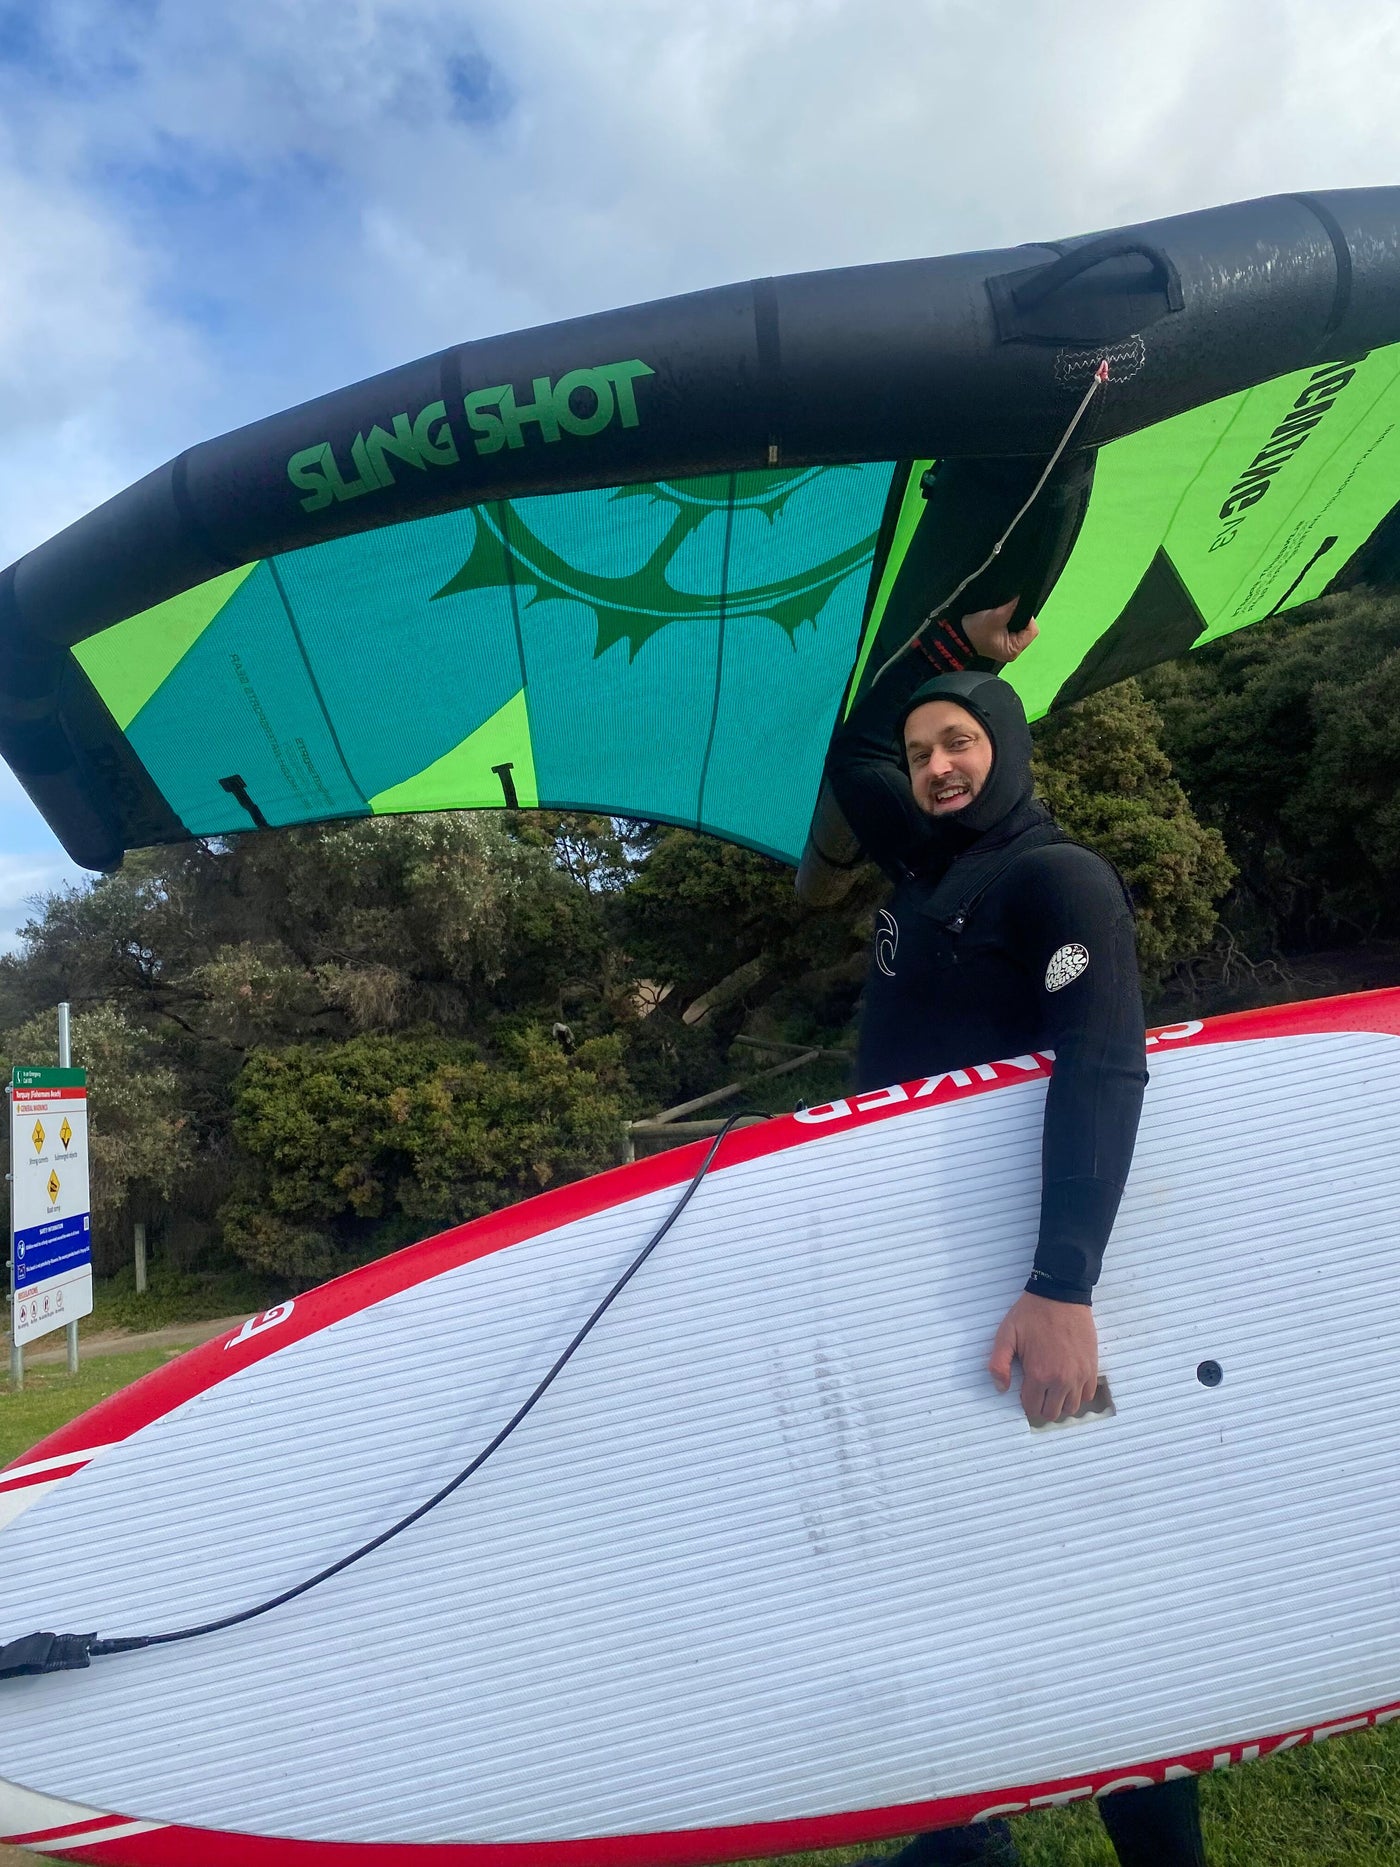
(50, 1211)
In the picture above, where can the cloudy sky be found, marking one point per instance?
(210, 211)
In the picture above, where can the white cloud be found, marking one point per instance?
(657, 149)
(401, 174)
(91, 374)
(618, 149)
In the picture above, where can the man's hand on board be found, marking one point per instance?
(1058, 1348)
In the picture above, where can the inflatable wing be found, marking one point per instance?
(637, 562)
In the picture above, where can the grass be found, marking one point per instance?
(1335, 1805)
(51, 1396)
(175, 1297)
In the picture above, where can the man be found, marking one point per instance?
(1002, 937)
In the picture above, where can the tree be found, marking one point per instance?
(1101, 769)
(210, 952)
(372, 924)
(722, 931)
(353, 1148)
(1287, 738)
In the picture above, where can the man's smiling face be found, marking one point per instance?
(949, 755)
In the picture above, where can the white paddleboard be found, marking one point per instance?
(772, 1565)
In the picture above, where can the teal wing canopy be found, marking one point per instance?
(638, 563)
(673, 650)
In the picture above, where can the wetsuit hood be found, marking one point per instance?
(996, 706)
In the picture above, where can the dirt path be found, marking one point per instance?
(128, 1342)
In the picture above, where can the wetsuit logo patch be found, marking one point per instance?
(1065, 966)
(887, 942)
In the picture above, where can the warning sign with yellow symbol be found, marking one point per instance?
(51, 1240)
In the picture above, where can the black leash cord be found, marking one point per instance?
(63, 1651)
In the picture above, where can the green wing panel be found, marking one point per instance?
(129, 662)
(1216, 519)
(494, 762)
(675, 650)
(911, 510)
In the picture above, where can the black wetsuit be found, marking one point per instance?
(1002, 937)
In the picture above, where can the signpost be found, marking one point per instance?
(65, 1062)
(50, 1211)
